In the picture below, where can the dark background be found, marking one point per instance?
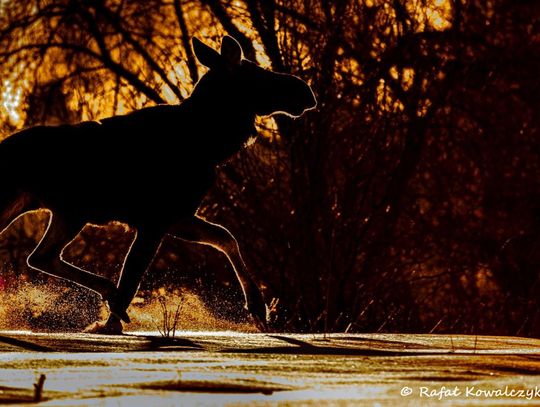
(407, 202)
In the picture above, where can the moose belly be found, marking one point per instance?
(96, 177)
(134, 196)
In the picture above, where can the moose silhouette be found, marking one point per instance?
(149, 169)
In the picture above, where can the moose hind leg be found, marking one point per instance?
(47, 258)
(198, 230)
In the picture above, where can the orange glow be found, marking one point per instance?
(436, 15)
(406, 76)
(11, 102)
(386, 99)
(433, 14)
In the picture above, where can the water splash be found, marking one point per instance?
(53, 307)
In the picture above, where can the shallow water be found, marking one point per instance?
(228, 368)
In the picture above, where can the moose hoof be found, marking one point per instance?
(258, 313)
(114, 307)
(117, 312)
(259, 323)
(105, 328)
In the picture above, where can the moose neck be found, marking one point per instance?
(225, 126)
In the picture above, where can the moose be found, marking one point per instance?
(149, 169)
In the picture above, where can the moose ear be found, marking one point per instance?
(231, 51)
(206, 55)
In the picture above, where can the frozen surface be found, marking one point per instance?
(226, 368)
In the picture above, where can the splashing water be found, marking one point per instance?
(51, 307)
(147, 315)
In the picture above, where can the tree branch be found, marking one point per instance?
(263, 21)
(191, 62)
(115, 67)
(226, 21)
(113, 19)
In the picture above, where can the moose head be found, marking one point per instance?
(244, 85)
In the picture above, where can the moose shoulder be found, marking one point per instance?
(150, 168)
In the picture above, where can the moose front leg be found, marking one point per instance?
(197, 230)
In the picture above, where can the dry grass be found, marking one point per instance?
(169, 320)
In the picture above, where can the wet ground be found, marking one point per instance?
(225, 368)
